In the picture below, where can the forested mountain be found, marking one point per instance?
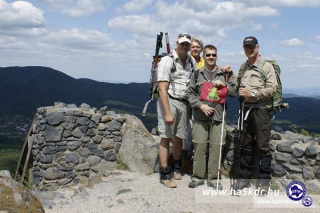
(24, 89)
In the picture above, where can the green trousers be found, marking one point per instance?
(207, 137)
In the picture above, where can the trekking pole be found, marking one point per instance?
(158, 46)
(237, 147)
(154, 68)
(167, 43)
(221, 138)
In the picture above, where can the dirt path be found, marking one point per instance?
(125, 191)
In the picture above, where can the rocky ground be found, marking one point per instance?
(123, 191)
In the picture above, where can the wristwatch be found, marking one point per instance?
(253, 95)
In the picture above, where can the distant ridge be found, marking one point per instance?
(24, 89)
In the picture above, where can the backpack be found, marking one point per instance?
(276, 103)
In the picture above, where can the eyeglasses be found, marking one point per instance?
(184, 35)
(213, 55)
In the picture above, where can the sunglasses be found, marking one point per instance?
(184, 35)
(213, 55)
(248, 46)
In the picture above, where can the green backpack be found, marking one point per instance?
(276, 103)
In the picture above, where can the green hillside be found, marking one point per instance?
(24, 89)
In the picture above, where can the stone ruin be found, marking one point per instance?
(294, 158)
(72, 144)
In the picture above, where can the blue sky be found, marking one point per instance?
(114, 40)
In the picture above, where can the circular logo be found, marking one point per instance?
(307, 201)
(296, 190)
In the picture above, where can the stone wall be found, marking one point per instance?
(295, 158)
(71, 143)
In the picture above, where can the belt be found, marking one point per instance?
(178, 99)
(255, 105)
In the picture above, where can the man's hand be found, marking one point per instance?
(244, 92)
(218, 83)
(206, 109)
(227, 69)
(169, 119)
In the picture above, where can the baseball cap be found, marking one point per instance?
(184, 37)
(250, 40)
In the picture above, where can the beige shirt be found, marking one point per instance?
(252, 79)
(178, 78)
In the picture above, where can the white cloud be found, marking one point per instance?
(136, 5)
(293, 42)
(86, 47)
(214, 20)
(76, 8)
(256, 27)
(142, 24)
(283, 3)
(21, 18)
(13, 44)
(79, 39)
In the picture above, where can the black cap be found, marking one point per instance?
(250, 40)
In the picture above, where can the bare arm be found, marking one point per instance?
(164, 99)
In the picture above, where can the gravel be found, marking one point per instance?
(124, 191)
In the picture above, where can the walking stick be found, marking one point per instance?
(221, 138)
(237, 148)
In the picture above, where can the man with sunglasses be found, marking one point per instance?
(172, 107)
(208, 126)
(256, 126)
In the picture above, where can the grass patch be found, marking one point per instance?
(121, 165)
(150, 115)
(9, 159)
(115, 103)
(118, 111)
(273, 185)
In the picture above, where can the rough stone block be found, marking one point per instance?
(285, 146)
(278, 170)
(72, 158)
(55, 118)
(53, 134)
(307, 172)
(113, 126)
(53, 174)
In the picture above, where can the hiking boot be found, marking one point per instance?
(168, 183)
(176, 169)
(214, 185)
(243, 184)
(195, 184)
(177, 175)
(187, 166)
(165, 177)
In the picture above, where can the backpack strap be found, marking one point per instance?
(257, 69)
(260, 70)
(196, 76)
(173, 61)
(193, 69)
